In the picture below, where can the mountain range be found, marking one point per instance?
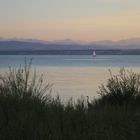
(66, 44)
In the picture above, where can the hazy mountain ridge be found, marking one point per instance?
(131, 41)
(67, 44)
(20, 45)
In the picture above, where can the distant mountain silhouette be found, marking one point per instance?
(126, 42)
(20, 45)
(67, 44)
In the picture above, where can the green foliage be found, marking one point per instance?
(28, 112)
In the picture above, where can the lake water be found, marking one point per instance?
(73, 60)
(74, 75)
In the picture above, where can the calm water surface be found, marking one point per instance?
(73, 60)
(74, 75)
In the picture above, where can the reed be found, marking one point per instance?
(28, 112)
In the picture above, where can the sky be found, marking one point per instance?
(88, 20)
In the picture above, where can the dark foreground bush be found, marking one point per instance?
(28, 113)
(122, 89)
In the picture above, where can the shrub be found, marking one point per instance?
(19, 83)
(23, 100)
(28, 113)
(121, 89)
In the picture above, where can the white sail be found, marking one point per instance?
(94, 54)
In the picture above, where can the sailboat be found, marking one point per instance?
(94, 54)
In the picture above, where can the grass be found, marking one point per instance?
(28, 112)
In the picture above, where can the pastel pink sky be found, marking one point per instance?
(88, 20)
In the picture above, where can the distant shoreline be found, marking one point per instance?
(71, 52)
